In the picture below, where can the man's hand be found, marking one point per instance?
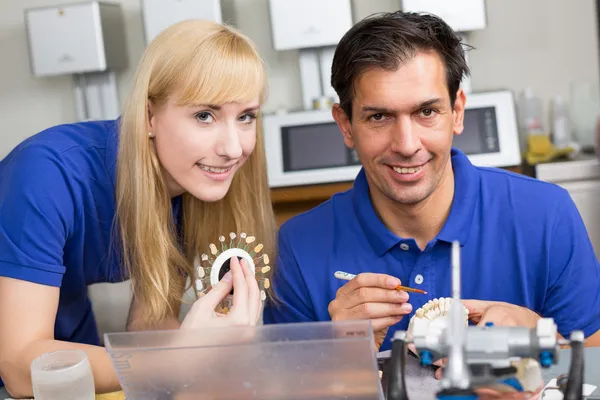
(374, 297)
(500, 313)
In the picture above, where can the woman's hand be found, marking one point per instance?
(246, 307)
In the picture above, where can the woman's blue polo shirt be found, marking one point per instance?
(57, 206)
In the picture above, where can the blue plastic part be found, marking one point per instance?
(489, 324)
(546, 359)
(458, 397)
(426, 358)
(513, 382)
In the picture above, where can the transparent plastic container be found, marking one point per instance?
(320, 360)
(62, 374)
(584, 107)
(561, 128)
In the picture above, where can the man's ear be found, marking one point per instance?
(344, 123)
(458, 112)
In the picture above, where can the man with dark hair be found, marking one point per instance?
(524, 248)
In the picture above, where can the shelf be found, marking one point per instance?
(309, 193)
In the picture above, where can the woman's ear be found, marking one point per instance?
(150, 116)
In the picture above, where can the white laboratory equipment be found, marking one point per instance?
(313, 27)
(462, 16)
(85, 40)
(157, 15)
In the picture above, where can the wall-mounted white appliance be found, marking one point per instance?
(307, 147)
(463, 16)
(314, 27)
(85, 40)
(157, 15)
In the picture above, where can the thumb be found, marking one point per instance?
(477, 308)
(218, 292)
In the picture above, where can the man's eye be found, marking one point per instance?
(377, 117)
(427, 112)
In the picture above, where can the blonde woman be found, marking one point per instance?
(135, 198)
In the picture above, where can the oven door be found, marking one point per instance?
(307, 151)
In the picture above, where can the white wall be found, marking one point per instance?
(546, 44)
(542, 43)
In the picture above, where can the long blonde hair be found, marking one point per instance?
(202, 63)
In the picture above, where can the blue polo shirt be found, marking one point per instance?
(523, 242)
(57, 205)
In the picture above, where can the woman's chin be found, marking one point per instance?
(210, 194)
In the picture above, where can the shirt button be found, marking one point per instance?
(419, 279)
(404, 246)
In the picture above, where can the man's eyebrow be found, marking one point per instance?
(382, 110)
(385, 110)
(428, 103)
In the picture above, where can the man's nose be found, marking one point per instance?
(405, 140)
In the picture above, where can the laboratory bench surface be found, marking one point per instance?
(592, 369)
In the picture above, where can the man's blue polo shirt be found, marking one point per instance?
(523, 242)
(57, 205)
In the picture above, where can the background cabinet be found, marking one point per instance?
(581, 177)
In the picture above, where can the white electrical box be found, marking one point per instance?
(461, 15)
(309, 23)
(160, 14)
(76, 38)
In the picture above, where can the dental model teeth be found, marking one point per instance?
(434, 314)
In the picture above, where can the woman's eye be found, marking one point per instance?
(247, 118)
(204, 117)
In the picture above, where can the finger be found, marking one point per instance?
(476, 309)
(439, 373)
(476, 306)
(369, 279)
(218, 292)
(253, 293)
(491, 394)
(373, 312)
(385, 322)
(373, 295)
(480, 306)
(240, 288)
(378, 310)
(411, 347)
(441, 362)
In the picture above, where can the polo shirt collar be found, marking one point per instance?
(465, 201)
(456, 227)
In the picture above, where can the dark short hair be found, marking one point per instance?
(386, 41)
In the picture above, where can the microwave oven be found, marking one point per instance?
(307, 147)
